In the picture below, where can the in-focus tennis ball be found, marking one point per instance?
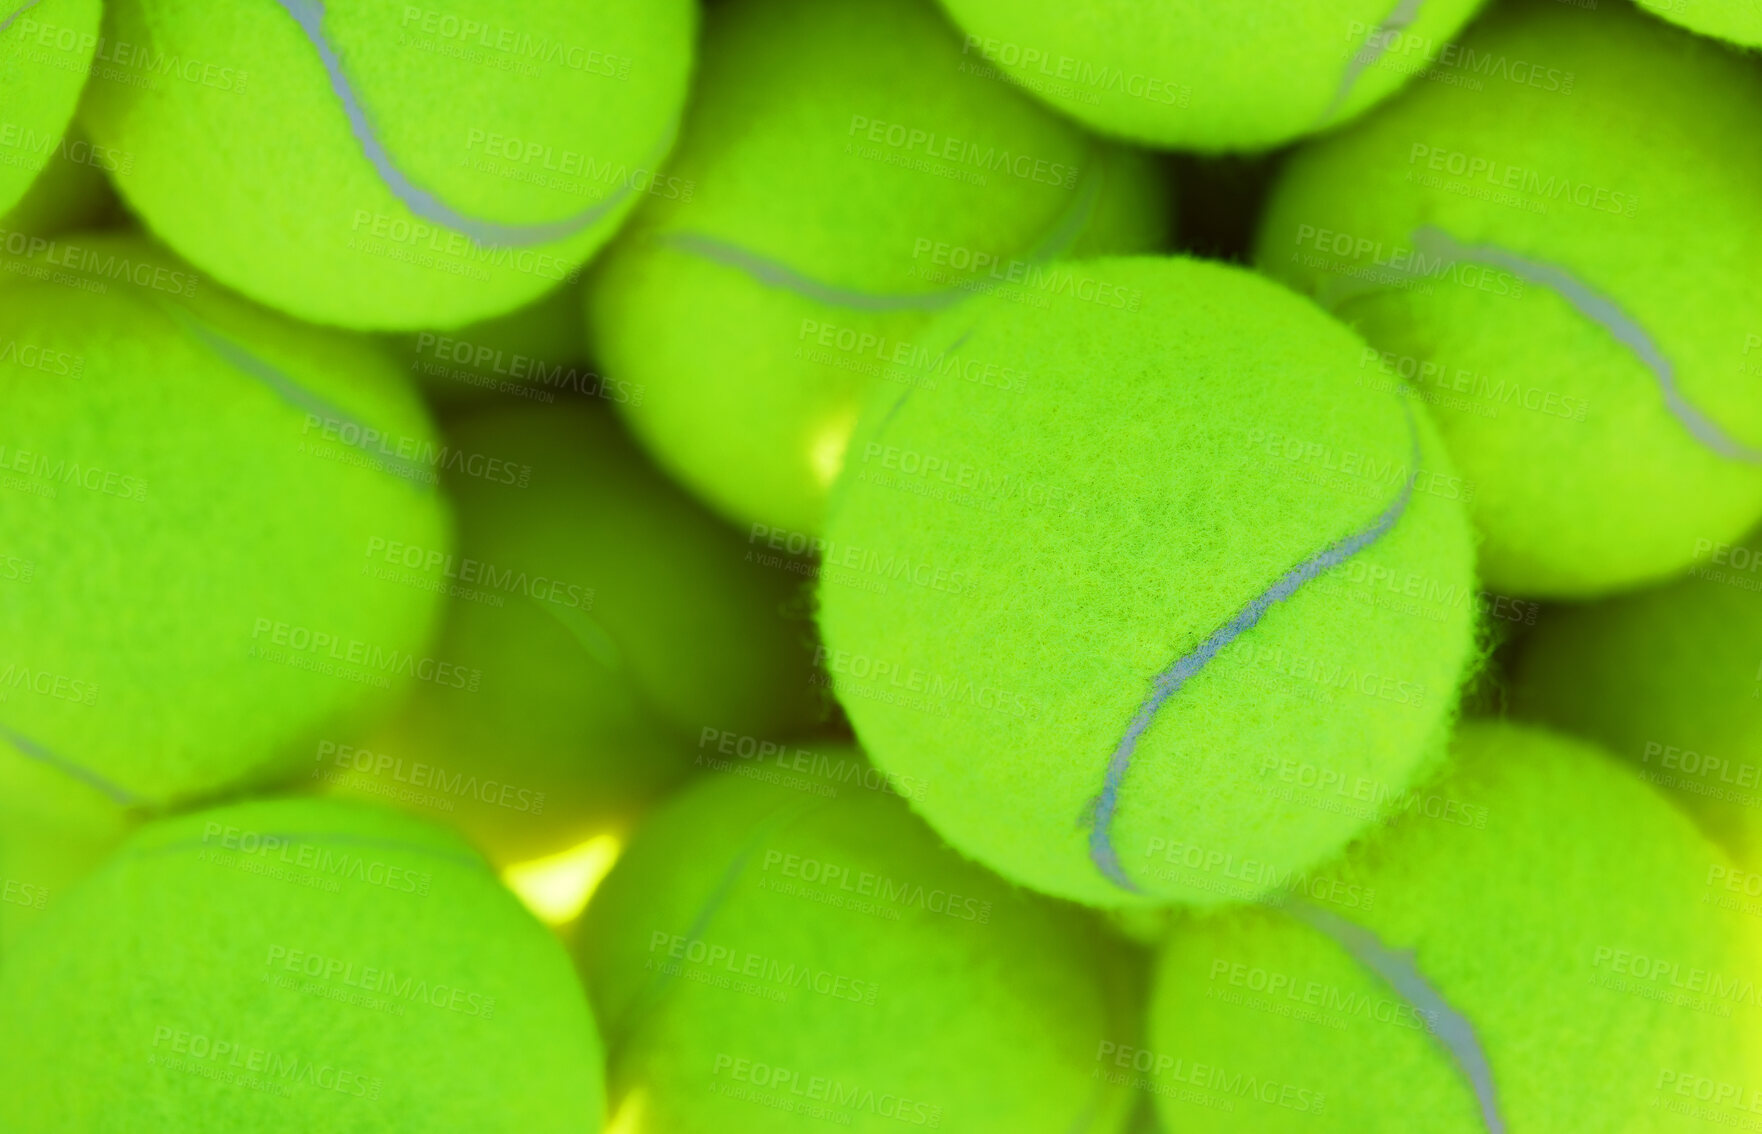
(1171, 613)
(841, 177)
(1582, 324)
(786, 940)
(618, 630)
(289, 965)
(190, 491)
(1190, 74)
(46, 50)
(392, 166)
(1739, 21)
(1671, 679)
(71, 194)
(1530, 947)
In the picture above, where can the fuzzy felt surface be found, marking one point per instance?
(1191, 74)
(841, 177)
(614, 623)
(45, 52)
(773, 956)
(195, 485)
(1555, 903)
(1582, 324)
(567, 113)
(1669, 678)
(296, 965)
(1111, 626)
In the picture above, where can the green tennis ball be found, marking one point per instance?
(1175, 614)
(46, 49)
(1739, 21)
(777, 957)
(296, 964)
(1189, 74)
(536, 353)
(392, 166)
(1582, 324)
(190, 491)
(1537, 952)
(615, 625)
(840, 178)
(1670, 679)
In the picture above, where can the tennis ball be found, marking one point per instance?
(296, 964)
(1531, 947)
(1188, 74)
(190, 488)
(1583, 325)
(840, 178)
(615, 624)
(1172, 610)
(1739, 21)
(1671, 679)
(391, 166)
(779, 956)
(46, 49)
(71, 194)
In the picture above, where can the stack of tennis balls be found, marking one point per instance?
(841, 177)
(296, 965)
(1577, 319)
(197, 484)
(322, 164)
(1541, 953)
(1671, 679)
(1146, 583)
(1187, 74)
(46, 51)
(1141, 662)
(612, 624)
(783, 956)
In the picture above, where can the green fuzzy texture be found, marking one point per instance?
(1739, 21)
(1586, 481)
(805, 938)
(615, 625)
(537, 353)
(192, 486)
(1554, 903)
(45, 52)
(54, 829)
(1671, 679)
(296, 965)
(253, 171)
(844, 145)
(71, 195)
(1198, 75)
(1114, 483)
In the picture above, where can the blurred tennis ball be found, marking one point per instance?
(609, 623)
(842, 177)
(191, 488)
